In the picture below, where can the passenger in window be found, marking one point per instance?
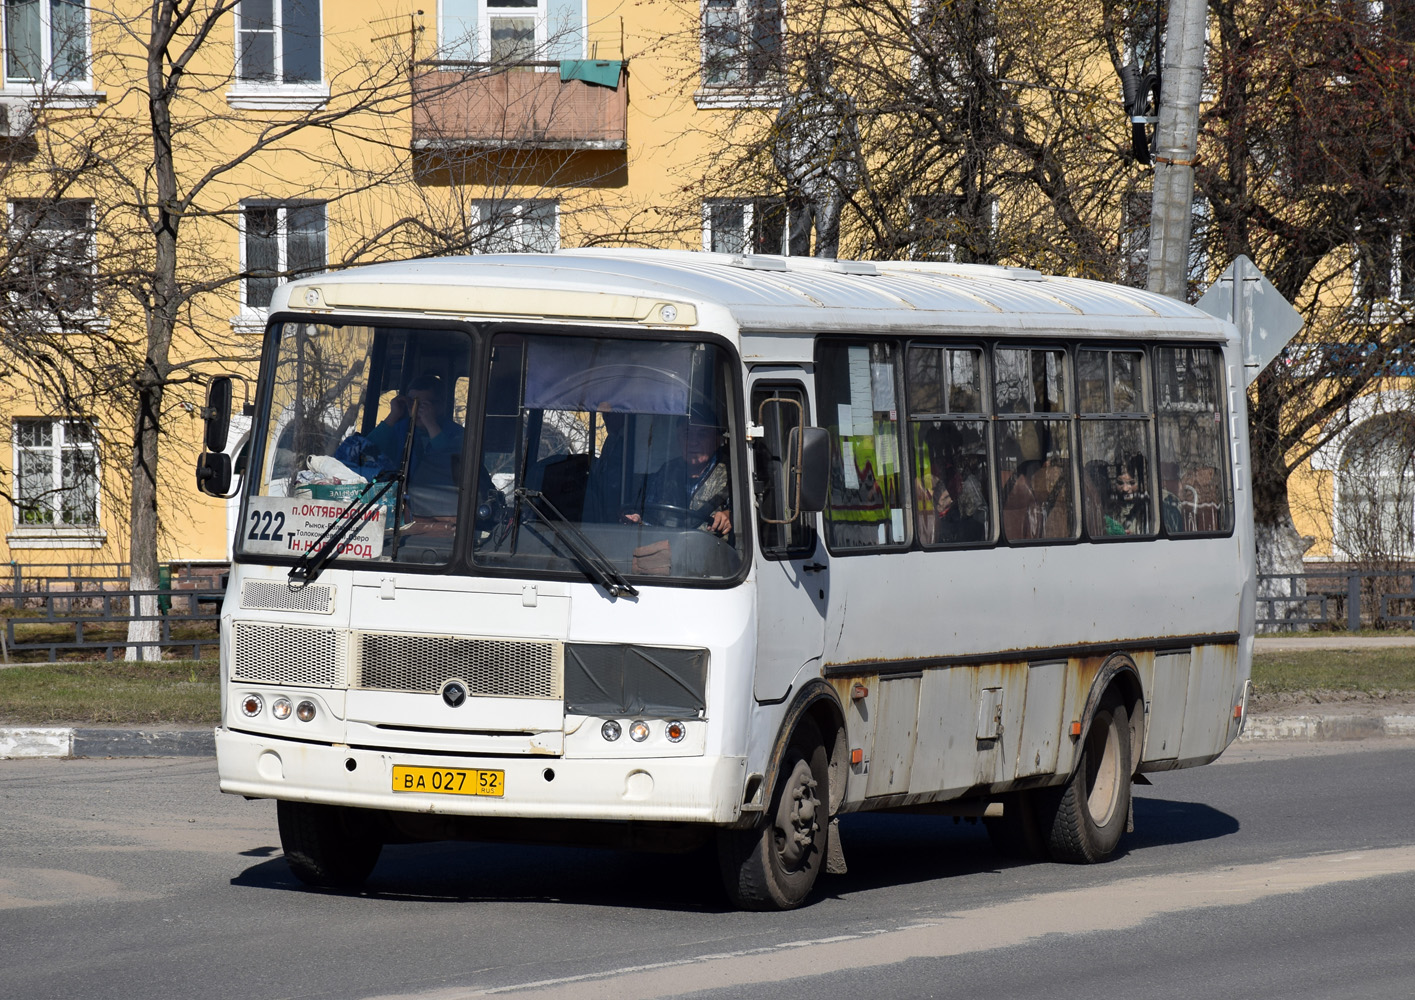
(1095, 497)
(1132, 500)
(694, 490)
(962, 514)
(1021, 511)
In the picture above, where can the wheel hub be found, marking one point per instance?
(796, 824)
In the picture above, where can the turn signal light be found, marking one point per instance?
(251, 705)
(675, 732)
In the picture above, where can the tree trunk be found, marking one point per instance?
(1280, 547)
(142, 521)
(161, 322)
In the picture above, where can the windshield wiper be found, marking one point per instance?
(321, 553)
(596, 566)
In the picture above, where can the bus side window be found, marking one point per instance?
(1118, 467)
(1193, 449)
(855, 390)
(949, 440)
(1035, 446)
(779, 409)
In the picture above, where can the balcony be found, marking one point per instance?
(458, 105)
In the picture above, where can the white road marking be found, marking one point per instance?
(1111, 907)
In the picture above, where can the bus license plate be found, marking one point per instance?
(448, 780)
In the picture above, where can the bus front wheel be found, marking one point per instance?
(774, 865)
(1084, 818)
(329, 847)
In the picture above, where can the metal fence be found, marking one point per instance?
(62, 616)
(83, 624)
(1336, 600)
(57, 611)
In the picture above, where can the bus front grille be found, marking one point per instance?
(500, 668)
(286, 654)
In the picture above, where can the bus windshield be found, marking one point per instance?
(601, 457)
(362, 413)
(618, 447)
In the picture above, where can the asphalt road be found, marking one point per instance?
(1282, 871)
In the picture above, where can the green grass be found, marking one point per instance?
(1365, 671)
(183, 692)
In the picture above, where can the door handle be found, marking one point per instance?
(813, 567)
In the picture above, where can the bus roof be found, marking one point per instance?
(754, 293)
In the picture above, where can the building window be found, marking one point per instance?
(748, 225)
(56, 473)
(52, 266)
(742, 43)
(278, 42)
(944, 229)
(957, 45)
(280, 241)
(1375, 491)
(1385, 264)
(531, 226)
(511, 31)
(46, 41)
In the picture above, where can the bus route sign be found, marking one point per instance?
(291, 526)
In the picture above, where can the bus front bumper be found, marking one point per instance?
(681, 789)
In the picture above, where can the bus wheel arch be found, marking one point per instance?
(773, 864)
(1083, 819)
(1119, 678)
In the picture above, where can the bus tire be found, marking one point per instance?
(1088, 814)
(774, 865)
(328, 847)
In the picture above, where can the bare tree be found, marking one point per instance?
(1308, 164)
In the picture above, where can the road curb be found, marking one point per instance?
(16, 742)
(1327, 727)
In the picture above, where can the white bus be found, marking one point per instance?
(657, 549)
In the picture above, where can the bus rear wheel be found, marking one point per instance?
(328, 847)
(1086, 816)
(774, 865)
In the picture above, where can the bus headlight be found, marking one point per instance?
(610, 730)
(251, 705)
(280, 708)
(638, 730)
(304, 711)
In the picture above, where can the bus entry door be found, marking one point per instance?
(792, 569)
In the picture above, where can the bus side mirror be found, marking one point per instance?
(810, 452)
(214, 473)
(218, 413)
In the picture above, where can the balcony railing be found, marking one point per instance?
(459, 104)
